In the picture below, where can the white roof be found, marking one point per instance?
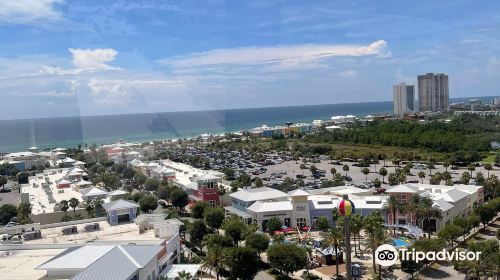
(137, 163)
(95, 192)
(79, 163)
(256, 194)
(206, 176)
(402, 189)
(443, 204)
(323, 202)
(59, 150)
(63, 181)
(19, 154)
(76, 258)
(76, 169)
(117, 192)
(69, 160)
(298, 192)
(83, 183)
(453, 195)
(119, 204)
(271, 206)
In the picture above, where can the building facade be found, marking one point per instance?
(433, 94)
(403, 98)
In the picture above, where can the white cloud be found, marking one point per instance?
(348, 74)
(95, 59)
(29, 11)
(293, 56)
(109, 93)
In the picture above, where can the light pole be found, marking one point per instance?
(346, 208)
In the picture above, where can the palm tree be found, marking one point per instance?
(183, 275)
(357, 224)
(333, 171)
(488, 167)
(471, 168)
(215, 259)
(333, 239)
(427, 212)
(73, 203)
(345, 168)
(64, 205)
(392, 206)
(365, 171)
(421, 175)
(89, 208)
(383, 173)
(378, 238)
(411, 207)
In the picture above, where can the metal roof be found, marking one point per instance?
(119, 204)
(76, 258)
(271, 206)
(256, 194)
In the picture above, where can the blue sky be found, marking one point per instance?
(68, 57)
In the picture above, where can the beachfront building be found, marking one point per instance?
(277, 131)
(343, 119)
(433, 94)
(454, 201)
(403, 97)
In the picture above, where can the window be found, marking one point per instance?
(211, 203)
(402, 221)
(403, 197)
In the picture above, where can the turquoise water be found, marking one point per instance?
(18, 135)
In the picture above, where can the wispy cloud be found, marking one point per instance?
(29, 11)
(284, 57)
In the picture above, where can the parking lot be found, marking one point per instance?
(276, 173)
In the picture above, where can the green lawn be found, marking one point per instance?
(489, 159)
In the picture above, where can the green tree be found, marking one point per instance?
(376, 239)
(287, 257)
(214, 216)
(242, 263)
(334, 238)
(197, 231)
(428, 211)
(365, 171)
(485, 214)
(22, 178)
(464, 224)
(488, 167)
(128, 173)
(211, 240)
(333, 171)
(7, 212)
(198, 209)
(164, 192)
(258, 182)
(471, 168)
(411, 266)
(450, 233)
(90, 208)
(151, 184)
(64, 205)
(357, 224)
(216, 259)
(24, 212)
(313, 169)
(322, 223)
(465, 178)
(3, 182)
(257, 241)
(235, 228)
(111, 180)
(140, 178)
(273, 225)
(179, 198)
(73, 203)
(345, 168)
(148, 203)
(421, 175)
(383, 173)
(392, 205)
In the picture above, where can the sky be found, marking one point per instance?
(69, 58)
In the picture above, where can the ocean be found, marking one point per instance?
(18, 135)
